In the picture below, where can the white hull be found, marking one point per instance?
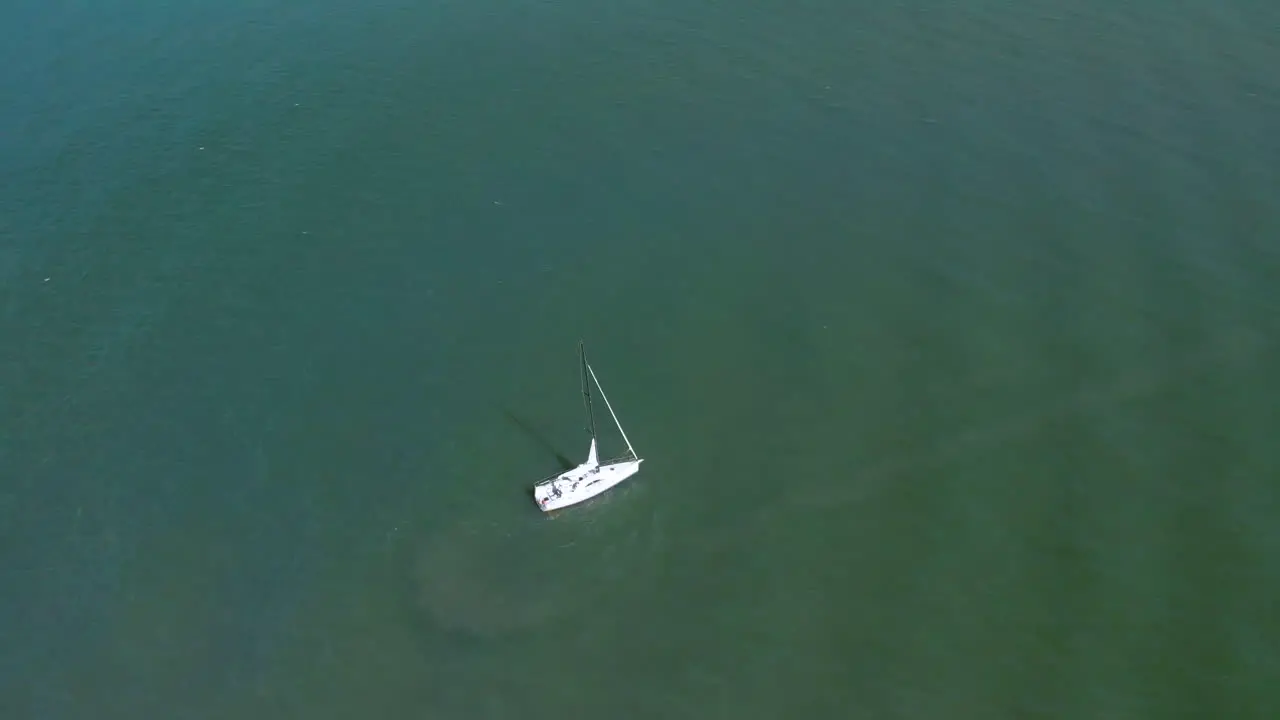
(590, 478)
(582, 483)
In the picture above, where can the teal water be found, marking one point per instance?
(949, 333)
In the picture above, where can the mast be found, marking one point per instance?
(610, 407)
(586, 391)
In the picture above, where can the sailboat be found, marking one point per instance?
(591, 477)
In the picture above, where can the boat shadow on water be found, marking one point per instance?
(529, 431)
(491, 574)
(497, 573)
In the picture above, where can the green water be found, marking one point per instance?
(949, 333)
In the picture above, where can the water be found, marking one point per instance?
(949, 333)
